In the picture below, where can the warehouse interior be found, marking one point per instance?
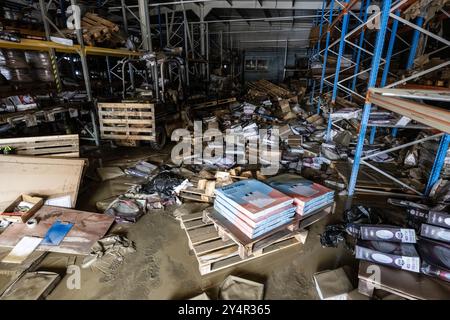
(225, 150)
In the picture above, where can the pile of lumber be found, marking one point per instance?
(270, 89)
(98, 31)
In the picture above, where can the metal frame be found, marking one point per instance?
(389, 11)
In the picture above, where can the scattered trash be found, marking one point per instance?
(108, 254)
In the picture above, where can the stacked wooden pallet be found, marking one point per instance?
(49, 146)
(127, 121)
(270, 89)
(215, 248)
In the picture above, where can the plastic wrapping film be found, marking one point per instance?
(163, 183)
(353, 219)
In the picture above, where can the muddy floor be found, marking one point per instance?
(162, 266)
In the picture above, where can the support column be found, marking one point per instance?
(367, 106)
(124, 17)
(285, 59)
(144, 18)
(386, 70)
(325, 54)
(51, 51)
(438, 163)
(414, 43)
(360, 45)
(202, 38)
(341, 52)
(166, 16)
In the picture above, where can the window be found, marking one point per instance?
(256, 65)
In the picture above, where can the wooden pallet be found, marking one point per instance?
(246, 246)
(127, 121)
(196, 194)
(213, 103)
(271, 89)
(48, 146)
(213, 253)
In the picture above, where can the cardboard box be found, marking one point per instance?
(9, 215)
(387, 233)
(435, 232)
(397, 255)
(332, 284)
(438, 218)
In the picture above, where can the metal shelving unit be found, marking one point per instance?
(388, 96)
(80, 49)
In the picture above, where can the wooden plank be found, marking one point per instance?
(126, 129)
(193, 224)
(87, 229)
(126, 105)
(126, 113)
(40, 145)
(45, 145)
(49, 151)
(193, 234)
(127, 137)
(127, 121)
(217, 255)
(192, 216)
(41, 176)
(432, 116)
(212, 246)
(65, 155)
(73, 137)
(203, 237)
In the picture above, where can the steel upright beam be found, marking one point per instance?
(144, 19)
(367, 106)
(86, 77)
(124, 16)
(325, 54)
(390, 49)
(386, 70)
(317, 52)
(341, 52)
(438, 163)
(202, 38)
(414, 43)
(360, 44)
(51, 51)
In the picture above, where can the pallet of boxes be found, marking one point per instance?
(251, 219)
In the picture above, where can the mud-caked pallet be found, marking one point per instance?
(215, 252)
(246, 246)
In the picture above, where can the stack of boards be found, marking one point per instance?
(257, 208)
(308, 196)
(254, 207)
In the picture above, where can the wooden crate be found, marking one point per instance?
(48, 146)
(127, 121)
(213, 253)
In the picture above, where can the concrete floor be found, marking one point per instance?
(163, 268)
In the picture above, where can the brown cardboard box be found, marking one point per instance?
(7, 213)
